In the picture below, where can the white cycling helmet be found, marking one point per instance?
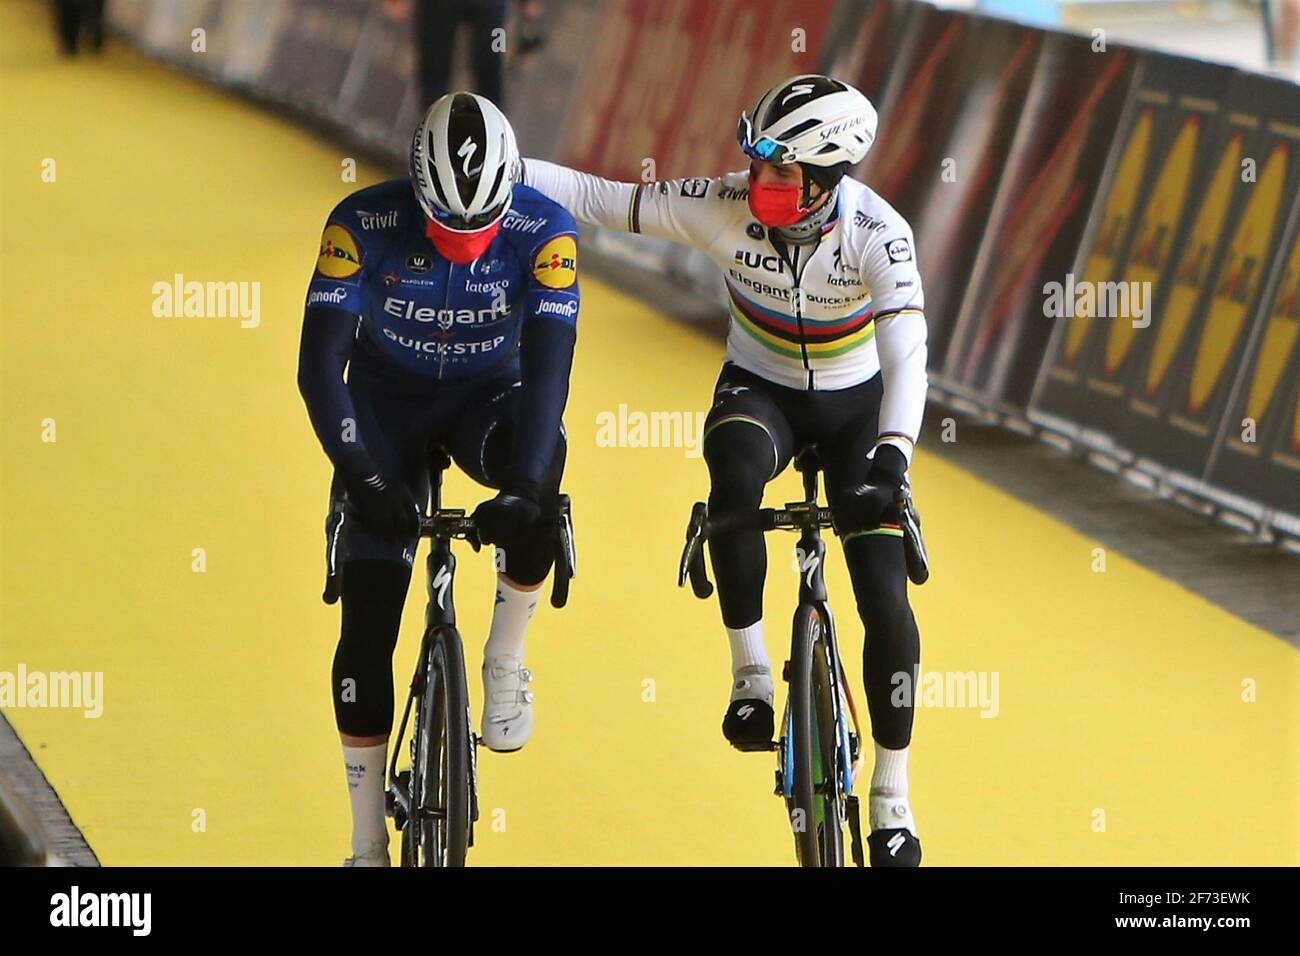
(812, 119)
(464, 161)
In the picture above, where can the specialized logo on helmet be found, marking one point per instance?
(556, 264)
(466, 152)
(844, 126)
(340, 256)
(799, 89)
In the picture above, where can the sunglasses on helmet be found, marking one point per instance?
(765, 148)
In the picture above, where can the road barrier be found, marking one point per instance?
(1108, 235)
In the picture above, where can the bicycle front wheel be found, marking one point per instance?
(816, 810)
(443, 759)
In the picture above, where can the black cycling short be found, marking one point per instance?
(472, 422)
(775, 422)
(751, 434)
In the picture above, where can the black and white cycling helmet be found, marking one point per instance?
(818, 121)
(464, 161)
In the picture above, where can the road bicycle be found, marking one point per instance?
(434, 803)
(819, 750)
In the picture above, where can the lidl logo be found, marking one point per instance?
(340, 256)
(556, 264)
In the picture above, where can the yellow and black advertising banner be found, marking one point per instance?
(1193, 350)
(1161, 162)
(1258, 455)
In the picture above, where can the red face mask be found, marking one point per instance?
(461, 248)
(774, 204)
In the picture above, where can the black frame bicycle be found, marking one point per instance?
(434, 804)
(819, 747)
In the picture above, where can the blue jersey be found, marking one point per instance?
(429, 316)
(385, 303)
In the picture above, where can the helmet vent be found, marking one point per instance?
(800, 128)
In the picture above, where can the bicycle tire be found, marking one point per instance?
(801, 806)
(815, 809)
(443, 760)
(830, 825)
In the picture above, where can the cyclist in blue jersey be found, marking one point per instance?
(450, 300)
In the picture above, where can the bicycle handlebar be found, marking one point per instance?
(455, 523)
(450, 523)
(796, 516)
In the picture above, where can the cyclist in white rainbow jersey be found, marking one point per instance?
(826, 347)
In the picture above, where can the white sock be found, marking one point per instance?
(889, 776)
(365, 769)
(888, 806)
(510, 617)
(747, 647)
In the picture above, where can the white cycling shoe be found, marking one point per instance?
(507, 704)
(374, 855)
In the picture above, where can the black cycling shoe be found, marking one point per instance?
(894, 848)
(748, 725)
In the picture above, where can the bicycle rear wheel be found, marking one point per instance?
(815, 807)
(441, 779)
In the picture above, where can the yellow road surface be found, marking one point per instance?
(1120, 733)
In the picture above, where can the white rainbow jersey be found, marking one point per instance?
(826, 315)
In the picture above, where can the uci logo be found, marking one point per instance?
(756, 260)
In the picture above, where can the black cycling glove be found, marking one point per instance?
(385, 508)
(869, 505)
(504, 518)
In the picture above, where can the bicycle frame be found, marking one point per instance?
(440, 612)
(441, 525)
(811, 553)
(808, 518)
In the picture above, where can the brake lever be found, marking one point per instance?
(694, 535)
